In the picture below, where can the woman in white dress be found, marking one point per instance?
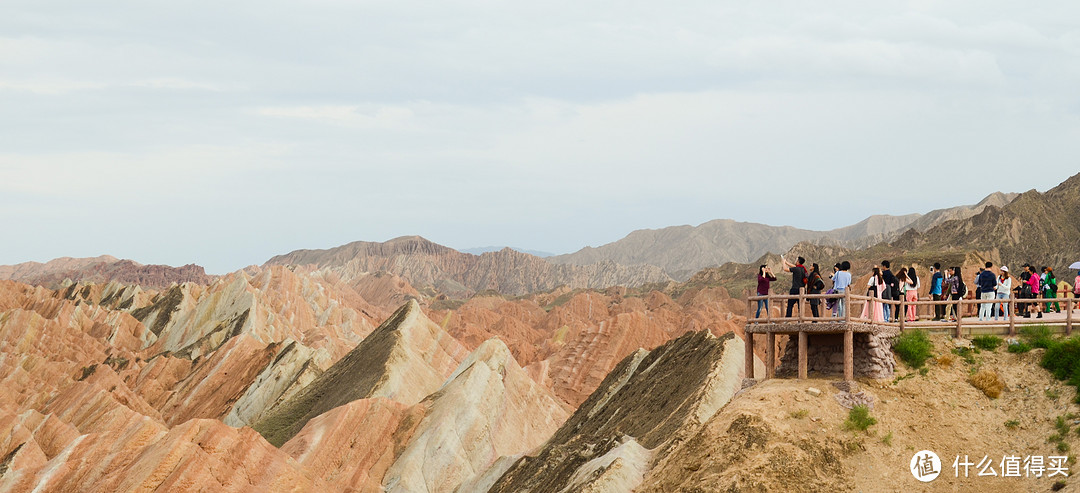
(872, 309)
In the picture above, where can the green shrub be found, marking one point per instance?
(1020, 347)
(859, 418)
(1062, 359)
(1012, 424)
(887, 439)
(800, 414)
(987, 342)
(1038, 336)
(966, 353)
(913, 347)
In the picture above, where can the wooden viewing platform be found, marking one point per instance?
(802, 324)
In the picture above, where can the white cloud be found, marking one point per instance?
(547, 125)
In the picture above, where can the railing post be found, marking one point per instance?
(802, 294)
(847, 305)
(959, 316)
(1012, 314)
(749, 309)
(1068, 316)
(903, 311)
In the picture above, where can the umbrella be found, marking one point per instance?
(1075, 265)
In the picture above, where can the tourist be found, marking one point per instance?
(892, 291)
(814, 285)
(1004, 287)
(936, 280)
(1032, 290)
(1021, 291)
(987, 283)
(841, 281)
(957, 290)
(901, 280)
(765, 278)
(1076, 285)
(872, 310)
(912, 294)
(1049, 283)
(798, 280)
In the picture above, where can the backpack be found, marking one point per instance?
(1076, 286)
(961, 290)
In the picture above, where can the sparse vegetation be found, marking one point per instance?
(1038, 336)
(859, 418)
(1053, 394)
(1012, 424)
(924, 371)
(1061, 424)
(945, 360)
(887, 439)
(800, 414)
(913, 347)
(967, 354)
(989, 382)
(1019, 347)
(987, 342)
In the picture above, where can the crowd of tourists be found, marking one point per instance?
(990, 284)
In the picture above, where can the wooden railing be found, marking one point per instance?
(900, 307)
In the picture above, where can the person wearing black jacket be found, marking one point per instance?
(798, 280)
(987, 282)
(894, 289)
(814, 285)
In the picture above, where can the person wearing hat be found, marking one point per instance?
(1004, 287)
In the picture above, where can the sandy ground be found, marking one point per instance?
(764, 441)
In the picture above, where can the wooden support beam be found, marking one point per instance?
(849, 355)
(802, 354)
(749, 354)
(770, 356)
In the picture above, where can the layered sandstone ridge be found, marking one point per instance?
(405, 359)
(486, 410)
(95, 400)
(574, 344)
(650, 401)
(427, 264)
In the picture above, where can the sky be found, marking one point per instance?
(223, 133)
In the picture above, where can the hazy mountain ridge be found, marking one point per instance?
(1034, 227)
(428, 264)
(683, 250)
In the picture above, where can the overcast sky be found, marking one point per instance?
(222, 133)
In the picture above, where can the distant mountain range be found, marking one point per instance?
(482, 250)
(429, 265)
(1042, 228)
(103, 269)
(1029, 226)
(683, 250)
